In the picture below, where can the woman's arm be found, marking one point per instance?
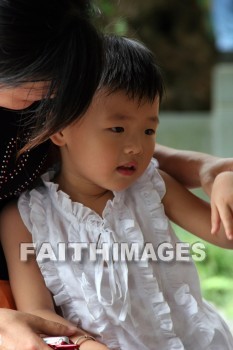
(20, 330)
(192, 169)
(191, 213)
(28, 286)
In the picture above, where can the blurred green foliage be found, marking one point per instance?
(170, 28)
(215, 272)
(114, 21)
(110, 20)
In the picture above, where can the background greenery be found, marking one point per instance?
(192, 130)
(180, 35)
(216, 274)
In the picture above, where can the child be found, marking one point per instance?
(108, 191)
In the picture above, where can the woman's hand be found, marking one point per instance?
(20, 331)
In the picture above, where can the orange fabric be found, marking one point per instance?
(6, 297)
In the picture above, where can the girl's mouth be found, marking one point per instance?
(127, 169)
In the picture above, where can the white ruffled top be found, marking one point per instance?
(149, 305)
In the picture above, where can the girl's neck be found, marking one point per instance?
(97, 203)
(89, 195)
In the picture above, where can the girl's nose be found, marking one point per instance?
(133, 147)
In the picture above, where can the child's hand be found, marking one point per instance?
(222, 204)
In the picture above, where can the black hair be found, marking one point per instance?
(131, 67)
(51, 40)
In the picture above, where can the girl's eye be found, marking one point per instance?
(149, 132)
(117, 129)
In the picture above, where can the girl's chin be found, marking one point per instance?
(120, 188)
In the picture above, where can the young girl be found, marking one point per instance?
(107, 190)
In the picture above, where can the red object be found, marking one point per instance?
(64, 346)
(61, 343)
(6, 297)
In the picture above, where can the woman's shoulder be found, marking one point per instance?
(18, 173)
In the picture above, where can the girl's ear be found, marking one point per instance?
(58, 138)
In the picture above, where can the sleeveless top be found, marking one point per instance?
(17, 175)
(141, 304)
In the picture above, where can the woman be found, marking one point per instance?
(46, 46)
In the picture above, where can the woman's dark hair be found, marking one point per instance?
(51, 40)
(131, 67)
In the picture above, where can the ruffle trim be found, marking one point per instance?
(118, 306)
(118, 311)
(63, 202)
(152, 189)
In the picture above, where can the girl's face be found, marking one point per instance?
(22, 96)
(111, 146)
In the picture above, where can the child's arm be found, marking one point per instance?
(222, 203)
(27, 283)
(191, 213)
